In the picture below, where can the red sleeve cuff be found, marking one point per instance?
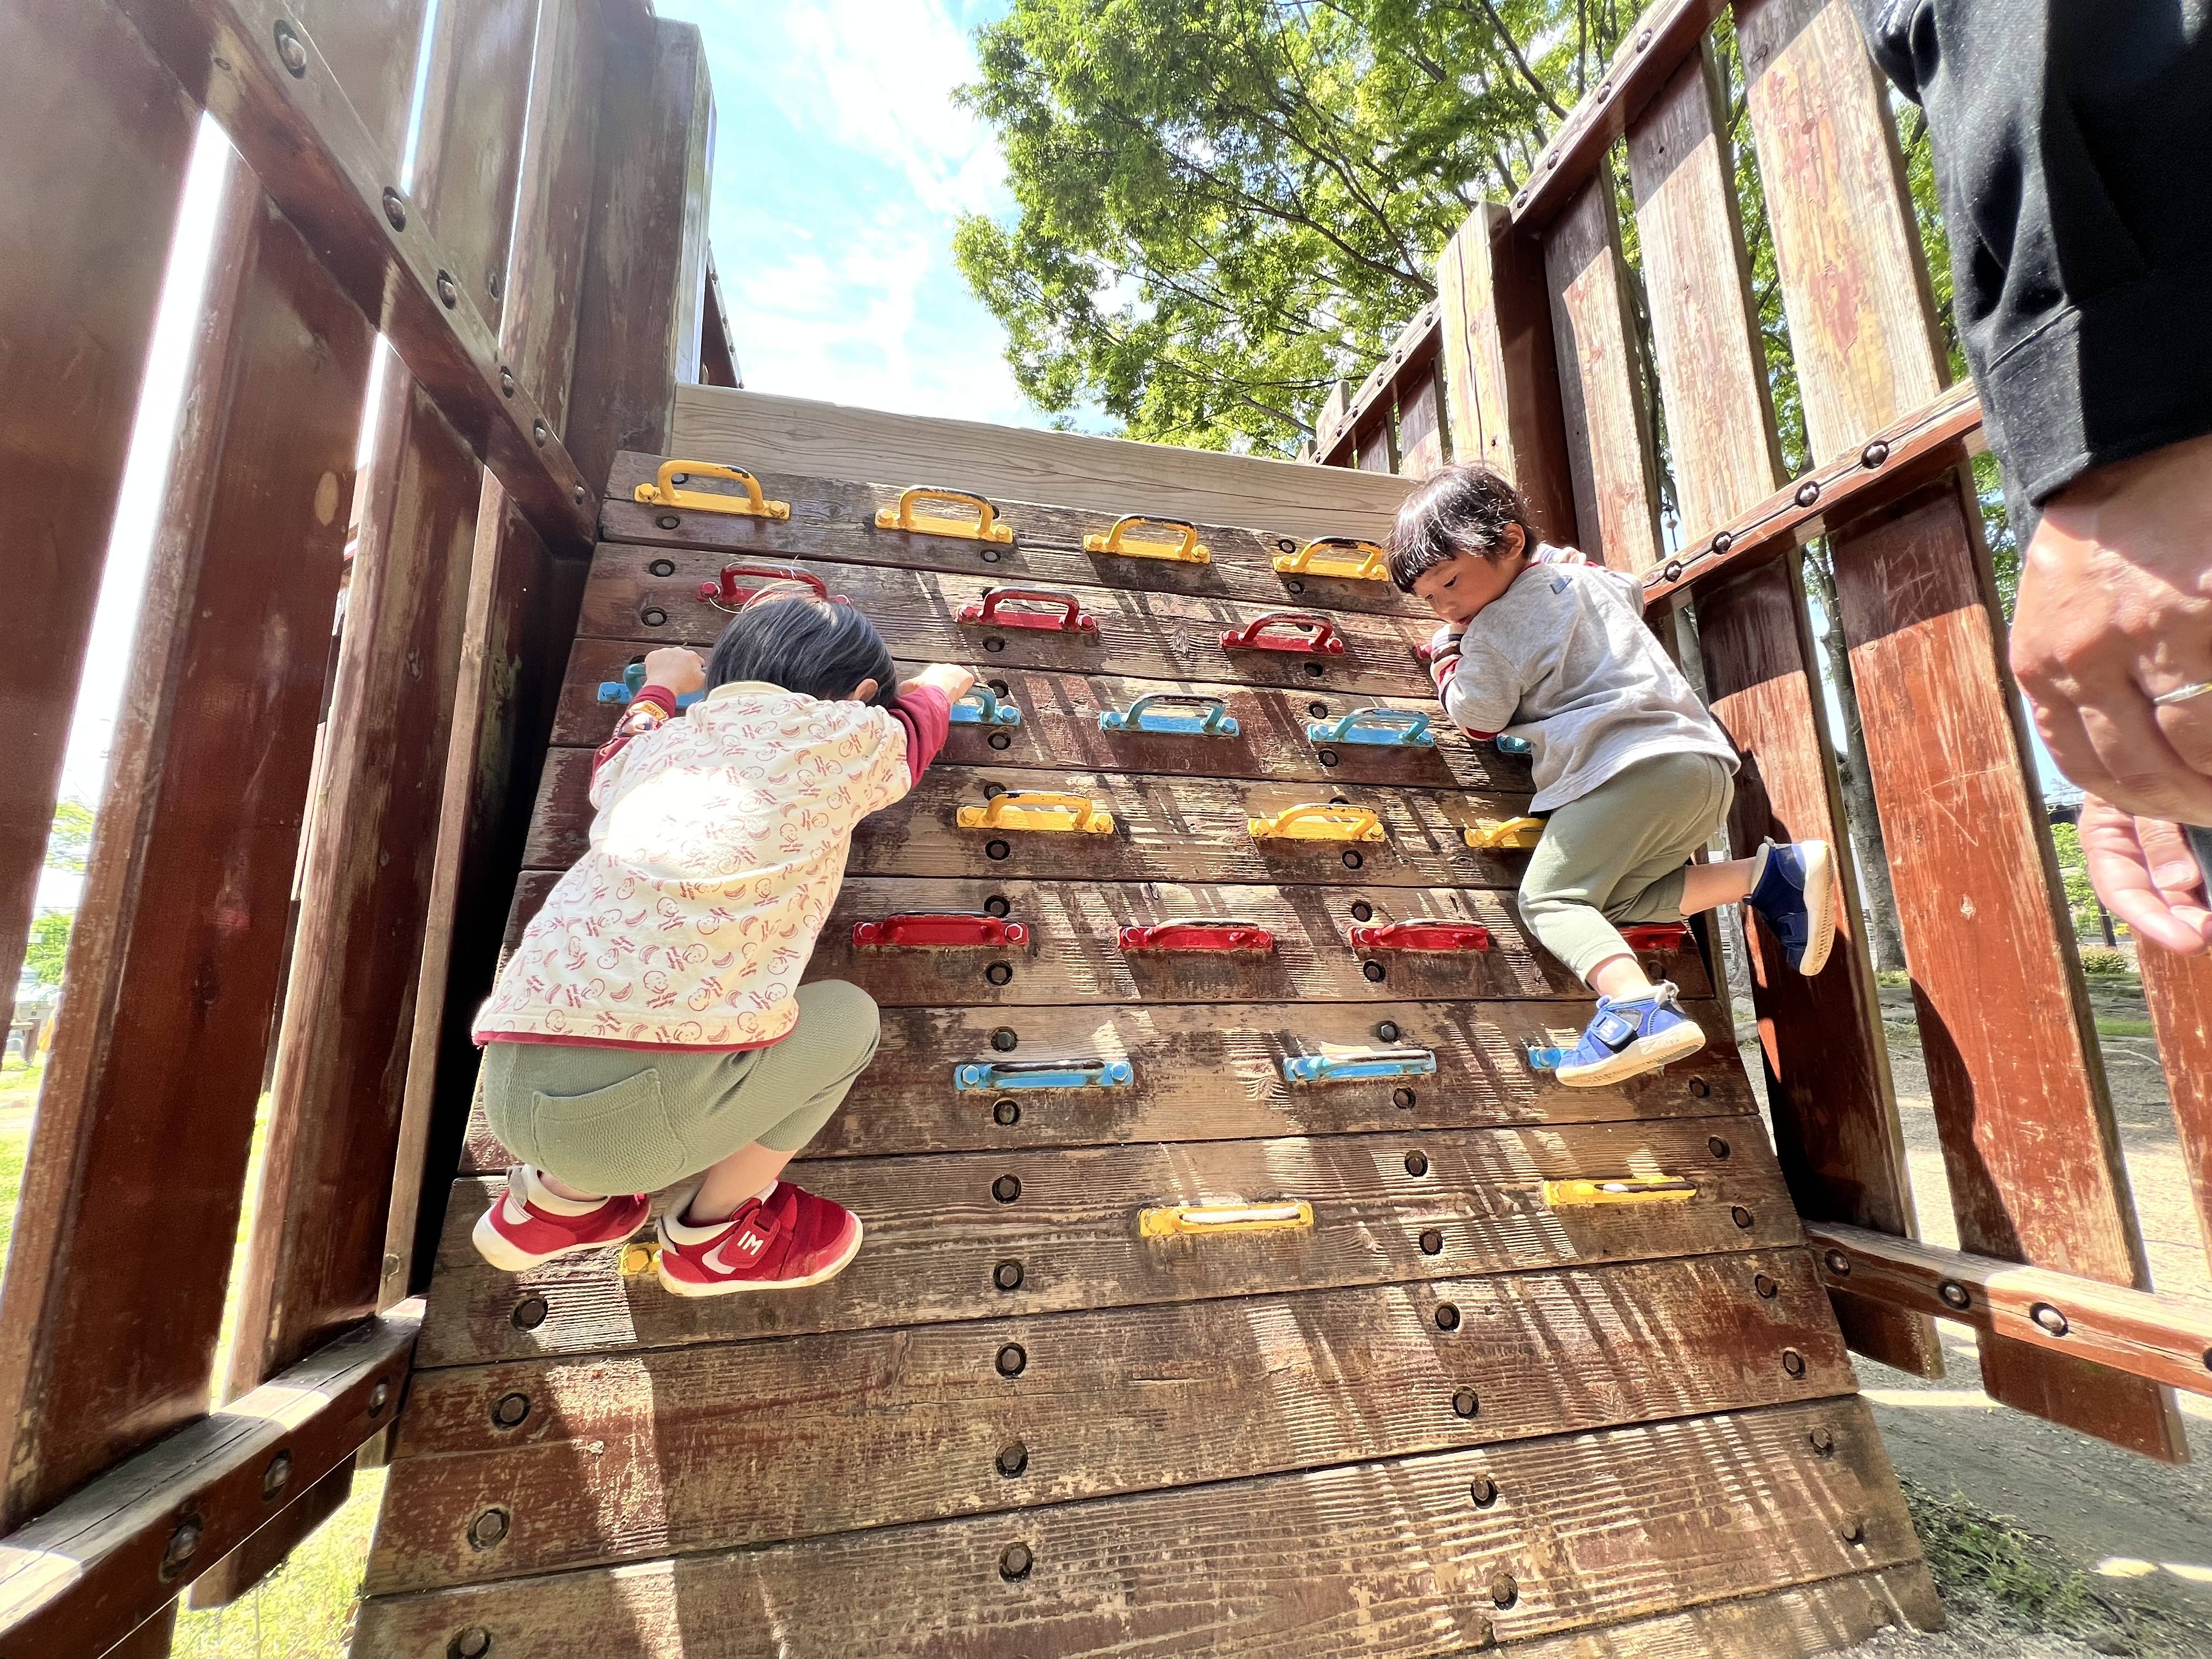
(659, 696)
(926, 715)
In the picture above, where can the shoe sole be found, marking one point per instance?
(1642, 1055)
(1820, 910)
(730, 1287)
(494, 1247)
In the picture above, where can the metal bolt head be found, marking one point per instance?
(998, 973)
(1793, 1362)
(488, 1529)
(1362, 911)
(580, 494)
(1354, 861)
(1824, 1443)
(290, 51)
(1808, 492)
(1373, 971)
(1740, 1215)
(1701, 1089)
(1673, 570)
(395, 208)
(184, 1544)
(662, 567)
(1483, 1489)
(1387, 1031)
(1466, 1403)
(653, 617)
(1447, 1316)
(1723, 540)
(1504, 1590)
(1007, 1188)
(1716, 1146)
(1875, 453)
(1767, 1289)
(1014, 1562)
(1013, 1359)
(474, 1642)
(276, 1476)
(529, 1313)
(1013, 1458)
(506, 381)
(1000, 740)
(378, 1398)
(1955, 1295)
(1403, 1099)
(1839, 1264)
(1417, 1164)
(1007, 1275)
(1006, 1112)
(448, 295)
(2052, 1321)
(1432, 1242)
(510, 1410)
(1003, 1040)
(539, 432)
(1851, 1529)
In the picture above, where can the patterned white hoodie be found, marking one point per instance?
(717, 850)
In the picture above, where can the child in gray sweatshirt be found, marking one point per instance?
(1632, 775)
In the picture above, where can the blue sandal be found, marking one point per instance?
(1630, 1037)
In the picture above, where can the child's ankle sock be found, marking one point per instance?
(684, 1220)
(535, 1192)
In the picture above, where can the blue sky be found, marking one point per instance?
(841, 164)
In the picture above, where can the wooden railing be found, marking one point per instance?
(541, 284)
(1395, 422)
(1545, 380)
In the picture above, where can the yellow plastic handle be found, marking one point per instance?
(1199, 1220)
(1515, 834)
(1337, 556)
(1622, 1189)
(663, 492)
(987, 528)
(1039, 810)
(1315, 821)
(1186, 550)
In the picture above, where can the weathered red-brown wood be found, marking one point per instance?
(1059, 725)
(2029, 1141)
(1106, 1400)
(144, 1120)
(1501, 368)
(1828, 1077)
(1178, 829)
(1609, 448)
(2179, 992)
(835, 520)
(1391, 1558)
(474, 101)
(920, 612)
(938, 1231)
(98, 141)
(1420, 419)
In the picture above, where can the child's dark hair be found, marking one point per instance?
(1462, 509)
(803, 644)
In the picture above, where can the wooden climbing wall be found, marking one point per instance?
(1460, 1405)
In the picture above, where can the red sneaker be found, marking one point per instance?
(525, 1229)
(789, 1240)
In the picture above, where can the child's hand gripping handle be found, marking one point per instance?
(675, 669)
(953, 681)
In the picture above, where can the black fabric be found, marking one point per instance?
(2073, 147)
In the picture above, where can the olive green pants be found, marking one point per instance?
(1618, 852)
(612, 1120)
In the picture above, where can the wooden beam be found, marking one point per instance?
(2179, 992)
(718, 351)
(1666, 34)
(89, 1571)
(1410, 356)
(322, 165)
(2160, 1339)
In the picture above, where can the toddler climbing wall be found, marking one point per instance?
(1232, 1283)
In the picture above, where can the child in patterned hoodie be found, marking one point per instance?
(650, 1028)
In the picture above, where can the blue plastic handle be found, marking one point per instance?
(1544, 1060)
(1005, 1076)
(1514, 745)
(984, 707)
(1146, 715)
(632, 683)
(1351, 1069)
(1395, 728)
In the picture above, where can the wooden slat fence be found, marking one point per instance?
(547, 257)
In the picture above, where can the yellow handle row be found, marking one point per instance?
(1203, 1220)
(1049, 812)
(1312, 821)
(1186, 548)
(1039, 810)
(1512, 834)
(663, 492)
(986, 528)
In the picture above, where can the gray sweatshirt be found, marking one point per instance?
(1563, 658)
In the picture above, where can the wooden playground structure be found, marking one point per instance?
(1234, 1283)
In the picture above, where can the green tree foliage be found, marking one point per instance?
(1226, 206)
(48, 948)
(69, 842)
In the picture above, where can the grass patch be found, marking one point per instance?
(14, 1146)
(2129, 1028)
(1894, 979)
(303, 1610)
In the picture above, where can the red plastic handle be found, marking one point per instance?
(950, 930)
(1062, 614)
(1656, 935)
(1198, 936)
(727, 591)
(1422, 936)
(1314, 636)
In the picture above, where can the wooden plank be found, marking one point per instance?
(1420, 429)
(1258, 1387)
(2179, 992)
(323, 165)
(938, 1233)
(1060, 724)
(1666, 34)
(1385, 387)
(833, 518)
(1854, 280)
(1152, 636)
(173, 974)
(718, 345)
(91, 1569)
(1827, 1068)
(759, 431)
(2160, 1338)
(371, 46)
(2029, 1141)
(98, 146)
(1212, 1072)
(1165, 829)
(1290, 1567)
(1704, 335)
(1378, 448)
(1501, 367)
(638, 316)
(1609, 448)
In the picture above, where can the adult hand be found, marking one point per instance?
(2143, 870)
(676, 669)
(2113, 632)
